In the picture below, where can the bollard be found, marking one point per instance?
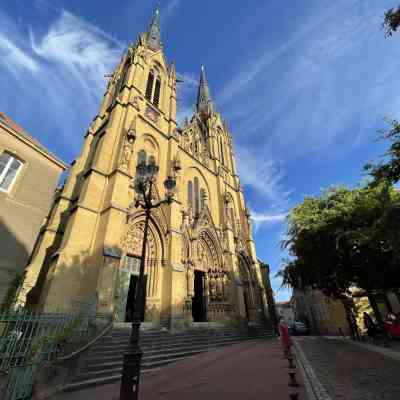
(291, 363)
(293, 382)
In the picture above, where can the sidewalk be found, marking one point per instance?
(347, 370)
(250, 371)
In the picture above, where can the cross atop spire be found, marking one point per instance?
(204, 102)
(154, 32)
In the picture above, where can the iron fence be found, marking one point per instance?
(29, 340)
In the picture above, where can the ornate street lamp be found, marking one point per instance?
(143, 185)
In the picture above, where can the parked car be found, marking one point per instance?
(392, 326)
(298, 328)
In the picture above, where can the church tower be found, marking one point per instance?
(201, 263)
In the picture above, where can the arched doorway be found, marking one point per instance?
(128, 274)
(248, 285)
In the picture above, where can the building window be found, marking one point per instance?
(149, 88)
(190, 194)
(153, 88)
(142, 156)
(157, 89)
(222, 151)
(132, 264)
(9, 168)
(196, 196)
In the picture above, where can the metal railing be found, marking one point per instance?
(29, 340)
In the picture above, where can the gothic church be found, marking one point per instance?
(201, 263)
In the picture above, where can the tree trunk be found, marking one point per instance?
(352, 323)
(378, 316)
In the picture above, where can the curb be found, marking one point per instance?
(314, 387)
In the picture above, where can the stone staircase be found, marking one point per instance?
(103, 363)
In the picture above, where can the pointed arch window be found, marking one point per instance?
(153, 88)
(149, 88)
(142, 156)
(221, 151)
(190, 195)
(157, 89)
(196, 196)
(202, 198)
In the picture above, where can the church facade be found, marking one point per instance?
(200, 262)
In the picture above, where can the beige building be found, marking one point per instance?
(322, 314)
(28, 178)
(201, 262)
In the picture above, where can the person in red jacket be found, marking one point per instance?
(285, 336)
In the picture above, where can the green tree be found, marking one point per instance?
(389, 168)
(345, 238)
(391, 21)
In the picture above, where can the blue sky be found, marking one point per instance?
(303, 84)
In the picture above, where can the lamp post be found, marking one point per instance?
(144, 182)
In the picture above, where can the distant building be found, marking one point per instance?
(28, 178)
(284, 309)
(322, 314)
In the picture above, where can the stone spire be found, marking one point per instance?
(204, 102)
(154, 31)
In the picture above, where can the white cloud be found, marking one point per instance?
(258, 170)
(186, 96)
(308, 90)
(13, 57)
(80, 49)
(267, 217)
(169, 11)
(69, 61)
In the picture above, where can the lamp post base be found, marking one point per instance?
(131, 375)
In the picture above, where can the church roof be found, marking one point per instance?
(204, 101)
(154, 31)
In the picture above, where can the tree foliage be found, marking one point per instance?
(391, 21)
(345, 238)
(389, 168)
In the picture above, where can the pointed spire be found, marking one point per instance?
(154, 32)
(204, 102)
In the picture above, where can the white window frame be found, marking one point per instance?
(6, 168)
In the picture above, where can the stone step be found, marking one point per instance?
(109, 375)
(165, 341)
(110, 356)
(108, 342)
(115, 353)
(104, 361)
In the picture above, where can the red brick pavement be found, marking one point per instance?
(246, 371)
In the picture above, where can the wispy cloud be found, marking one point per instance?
(67, 65)
(316, 82)
(169, 11)
(186, 96)
(13, 57)
(266, 219)
(259, 171)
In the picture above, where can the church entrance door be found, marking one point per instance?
(198, 300)
(128, 280)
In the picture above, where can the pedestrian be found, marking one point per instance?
(369, 325)
(284, 335)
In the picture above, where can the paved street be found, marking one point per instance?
(350, 372)
(248, 371)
